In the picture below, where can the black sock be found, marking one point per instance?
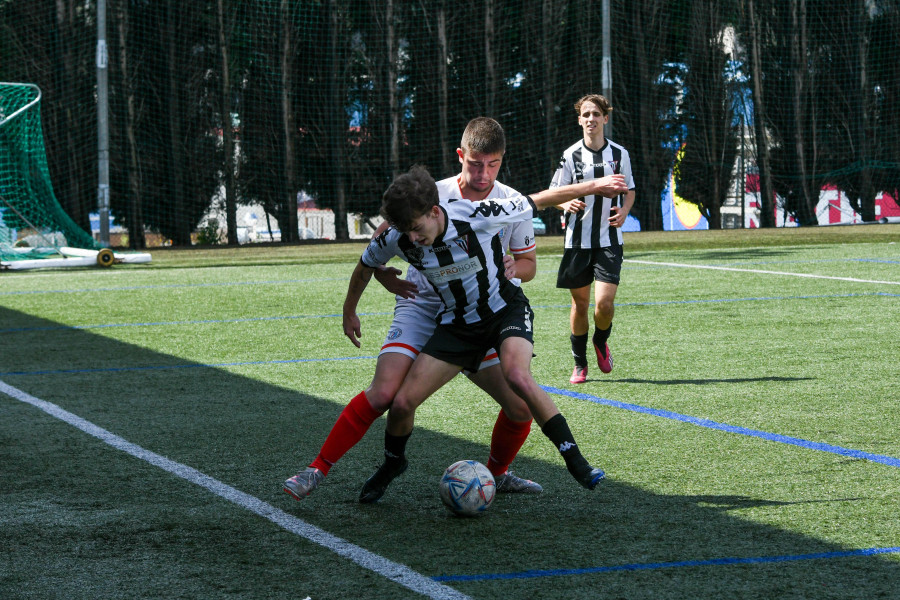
(579, 349)
(600, 337)
(557, 429)
(394, 446)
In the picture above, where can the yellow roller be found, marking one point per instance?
(106, 258)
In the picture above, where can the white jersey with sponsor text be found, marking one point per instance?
(464, 265)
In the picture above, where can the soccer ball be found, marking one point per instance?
(467, 488)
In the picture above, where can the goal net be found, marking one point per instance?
(32, 223)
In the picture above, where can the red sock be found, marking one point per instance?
(506, 440)
(350, 427)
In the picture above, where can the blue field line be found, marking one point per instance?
(185, 366)
(755, 299)
(196, 322)
(820, 261)
(803, 262)
(666, 414)
(750, 263)
(130, 288)
(369, 314)
(878, 260)
(772, 437)
(712, 562)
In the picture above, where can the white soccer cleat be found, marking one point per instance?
(303, 483)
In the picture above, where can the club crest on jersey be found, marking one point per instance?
(414, 256)
(463, 243)
(489, 209)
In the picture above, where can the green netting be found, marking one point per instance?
(29, 211)
(275, 116)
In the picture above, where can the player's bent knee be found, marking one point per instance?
(520, 381)
(402, 408)
(380, 397)
(604, 309)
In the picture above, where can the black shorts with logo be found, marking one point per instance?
(465, 345)
(579, 267)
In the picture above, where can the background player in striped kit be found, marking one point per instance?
(481, 152)
(456, 246)
(593, 245)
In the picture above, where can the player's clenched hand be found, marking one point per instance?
(616, 216)
(509, 266)
(352, 328)
(389, 277)
(610, 186)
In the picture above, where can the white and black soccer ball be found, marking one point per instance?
(467, 488)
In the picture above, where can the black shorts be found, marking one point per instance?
(579, 267)
(465, 345)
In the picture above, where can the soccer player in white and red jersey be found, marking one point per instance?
(480, 154)
(456, 246)
(593, 245)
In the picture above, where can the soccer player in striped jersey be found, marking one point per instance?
(456, 246)
(593, 246)
(481, 151)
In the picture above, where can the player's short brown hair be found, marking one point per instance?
(598, 99)
(409, 196)
(483, 135)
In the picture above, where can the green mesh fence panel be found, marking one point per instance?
(28, 208)
(261, 120)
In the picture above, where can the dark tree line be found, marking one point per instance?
(822, 94)
(252, 102)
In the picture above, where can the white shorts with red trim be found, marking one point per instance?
(413, 324)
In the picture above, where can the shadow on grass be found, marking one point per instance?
(732, 502)
(707, 381)
(742, 254)
(141, 526)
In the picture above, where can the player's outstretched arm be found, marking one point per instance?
(609, 186)
(355, 288)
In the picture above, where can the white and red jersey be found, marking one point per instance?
(464, 265)
(589, 228)
(518, 238)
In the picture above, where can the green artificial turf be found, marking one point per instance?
(746, 364)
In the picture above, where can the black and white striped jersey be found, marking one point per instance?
(589, 228)
(517, 238)
(464, 265)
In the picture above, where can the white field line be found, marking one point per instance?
(388, 569)
(760, 271)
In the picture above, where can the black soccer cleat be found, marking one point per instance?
(589, 478)
(378, 483)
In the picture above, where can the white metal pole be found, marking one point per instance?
(606, 65)
(102, 124)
